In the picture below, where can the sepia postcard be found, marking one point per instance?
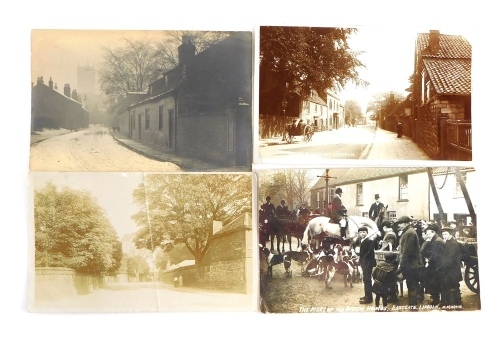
(141, 101)
(141, 242)
(368, 239)
(371, 93)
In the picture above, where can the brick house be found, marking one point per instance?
(227, 264)
(202, 108)
(54, 110)
(405, 190)
(442, 96)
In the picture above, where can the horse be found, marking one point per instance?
(321, 226)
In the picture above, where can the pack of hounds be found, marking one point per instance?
(321, 263)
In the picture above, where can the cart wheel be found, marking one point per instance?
(472, 278)
(288, 137)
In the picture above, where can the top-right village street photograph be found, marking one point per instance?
(373, 93)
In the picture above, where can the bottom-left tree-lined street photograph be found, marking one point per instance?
(140, 242)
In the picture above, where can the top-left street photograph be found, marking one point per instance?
(153, 101)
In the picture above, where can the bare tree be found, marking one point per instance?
(129, 69)
(167, 49)
(290, 185)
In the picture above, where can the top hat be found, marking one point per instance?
(377, 196)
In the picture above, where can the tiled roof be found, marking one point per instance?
(449, 76)
(450, 46)
(355, 175)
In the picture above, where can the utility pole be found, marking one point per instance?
(465, 192)
(327, 178)
(436, 196)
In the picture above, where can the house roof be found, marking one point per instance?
(399, 108)
(355, 175)
(130, 99)
(449, 76)
(449, 66)
(450, 46)
(239, 223)
(316, 99)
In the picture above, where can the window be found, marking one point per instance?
(392, 215)
(330, 104)
(458, 190)
(427, 91)
(403, 187)
(359, 194)
(317, 198)
(160, 117)
(146, 113)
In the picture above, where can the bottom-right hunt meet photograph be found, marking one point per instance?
(368, 239)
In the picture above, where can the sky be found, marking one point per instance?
(389, 58)
(388, 53)
(113, 192)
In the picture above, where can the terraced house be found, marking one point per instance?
(201, 109)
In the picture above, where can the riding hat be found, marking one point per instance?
(377, 196)
(338, 190)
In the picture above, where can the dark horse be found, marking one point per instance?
(269, 228)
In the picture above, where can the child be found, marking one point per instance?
(384, 276)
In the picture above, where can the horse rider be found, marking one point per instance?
(338, 211)
(268, 208)
(375, 208)
(282, 209)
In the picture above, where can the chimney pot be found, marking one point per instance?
(434, 41)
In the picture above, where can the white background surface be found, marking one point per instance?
(19, 17)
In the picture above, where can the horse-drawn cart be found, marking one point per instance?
(304, 130)
(469, 258)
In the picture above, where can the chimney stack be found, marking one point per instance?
(186, 50)
(39, 80)
(74, 95)
(51, 84)
(434, 41)
(67, 90)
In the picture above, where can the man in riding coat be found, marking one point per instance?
(337, 211)
(375, 208)
(410, 263)
(268, 208)
(282, 209)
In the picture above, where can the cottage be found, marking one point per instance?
(202, 108)
(442, 96)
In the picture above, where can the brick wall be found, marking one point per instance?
(428, 122)
(204, 137)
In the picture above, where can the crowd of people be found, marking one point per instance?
(424, 254)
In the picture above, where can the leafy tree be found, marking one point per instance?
(299, 59)
(137, 266)
(182, 208)
(382, 102)
(352, 112)
(72, 230)
(290, 185)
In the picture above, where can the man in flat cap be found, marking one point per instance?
(410, 262)
(432, 252)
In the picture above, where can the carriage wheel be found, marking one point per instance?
(472, 278)
(308, 132)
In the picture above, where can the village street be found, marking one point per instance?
(344, 143)
(148, 297)
(92, 149)
(361, 142)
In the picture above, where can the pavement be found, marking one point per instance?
(185, 163)
(384, 145)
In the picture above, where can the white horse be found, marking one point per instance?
(322, 226)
